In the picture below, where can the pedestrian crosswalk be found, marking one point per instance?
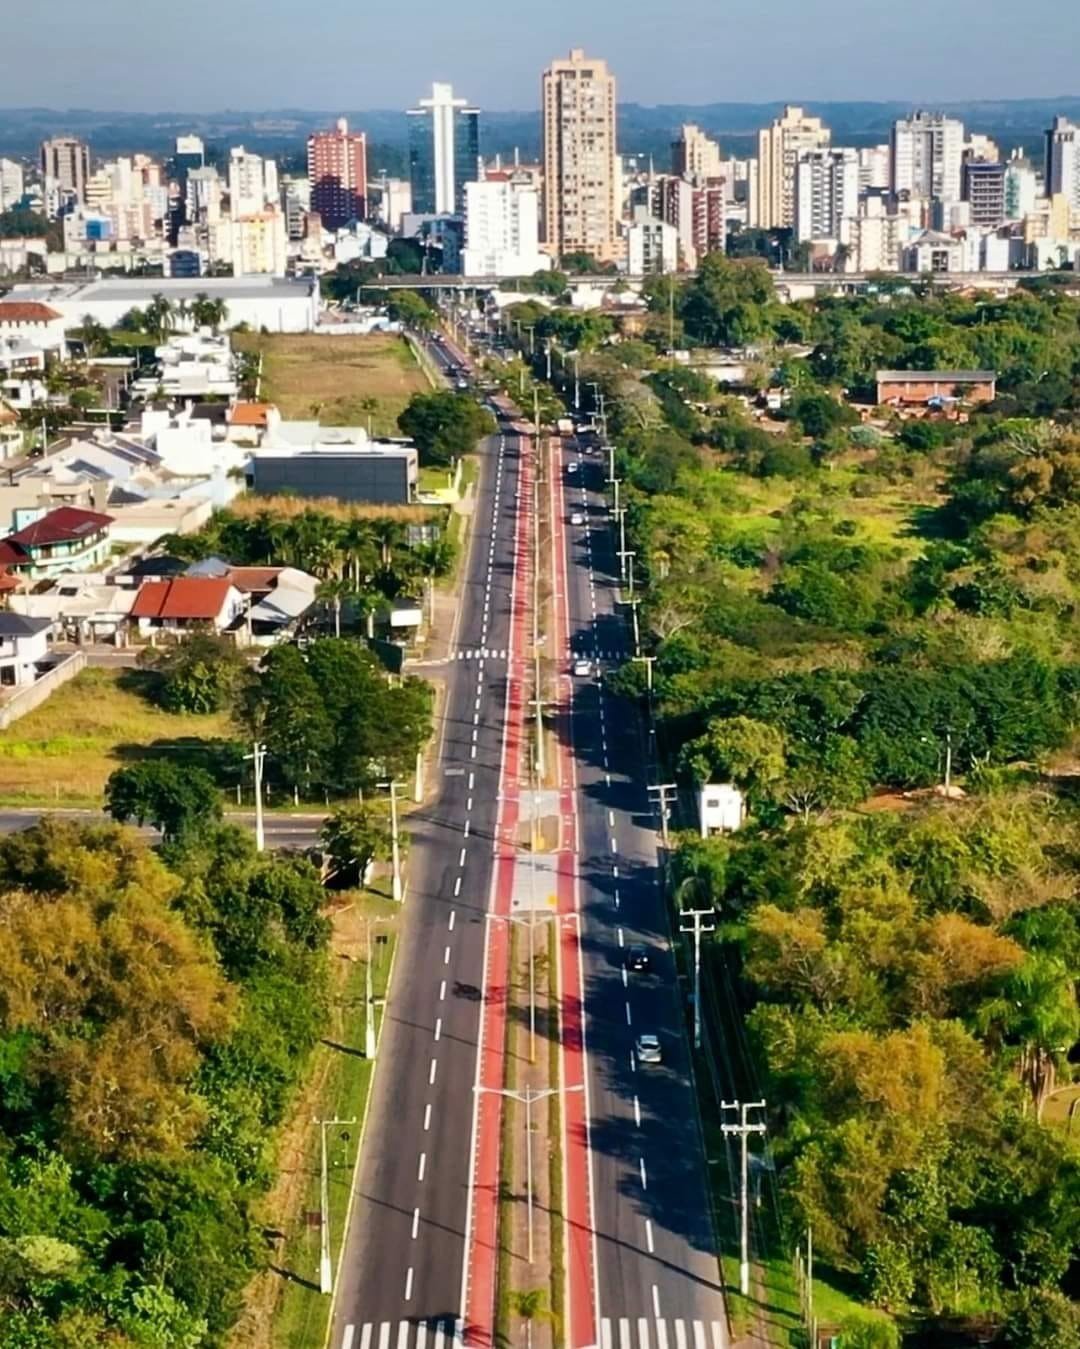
(651, 1332)
(442, 1333)
(482, 653)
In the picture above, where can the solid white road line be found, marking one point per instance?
(422, 1167)
(415, 1222)
(427, 1117)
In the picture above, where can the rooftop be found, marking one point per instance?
(921, 376)
(249, 414)
(197, 597)
(66, 524)
(19, 625)
(135, 290)
(26, 311)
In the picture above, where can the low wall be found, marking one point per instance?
(35, 694)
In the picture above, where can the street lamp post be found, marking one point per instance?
(258, 758)
(395, 841)
(370, 1043)
(326, 1271)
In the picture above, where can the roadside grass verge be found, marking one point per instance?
(343, 1079)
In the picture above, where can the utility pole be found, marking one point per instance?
(528, 1098)
(326, 1272)
(620, 515)
(948, 762)
(369, 993)
(258, 758)
(548, 353)
(744, 1129)
(577, 383)
(648, 662)
(665, 793)
(536, 416)
(626, 558)
(697, 921)
(395, 840)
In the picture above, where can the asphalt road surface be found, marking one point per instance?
(658, 1278)
(282, 831)
(400, 1279)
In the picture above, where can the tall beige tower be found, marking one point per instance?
(581, 175)
(695, 155)
(779, 148)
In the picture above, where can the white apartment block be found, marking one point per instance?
(874, 166)
(253, 182)
(502, 229)
(1021, 189)
(652, 246)
(927, 156)
(1063, 161)
(779, 148)
(695, 155)
(826, 192)
(12, 184)
(258, 243)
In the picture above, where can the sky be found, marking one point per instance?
(209, 55)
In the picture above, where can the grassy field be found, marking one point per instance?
(341, 381)
(63, 752)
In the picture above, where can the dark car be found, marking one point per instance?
(637, 959)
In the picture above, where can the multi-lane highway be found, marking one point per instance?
(657, 1275)
(401, 1273)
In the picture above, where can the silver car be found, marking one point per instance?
(648, 1049)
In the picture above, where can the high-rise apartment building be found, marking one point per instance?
(1063, 161)
(927, 156)
(444, 151)
(65, 167)
(581, 175)
(337, 172)
(695, 155)
(826, 193)
(1021, 188)
(983, 186)
(253, 182)
(502, 228)
(12, 184)
(779, 148)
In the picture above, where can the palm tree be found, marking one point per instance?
(388, 534)
(159, 316)
(333, 592)
(94, 335)
(183, 313)
(209, 313)
(360, 549)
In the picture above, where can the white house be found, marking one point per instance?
(34, 322)
(23, 643)
(186, 604)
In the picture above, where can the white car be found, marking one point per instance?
(577, 518)
(648, 1049)
(572, 468)
(583, 668)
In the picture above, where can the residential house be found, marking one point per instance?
(277, 599)
(920, 386)
(81, 608)
(250, 423)
(186, 604)
(24, 644)
(61, 540)
(36, 323)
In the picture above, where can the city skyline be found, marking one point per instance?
(683, 56)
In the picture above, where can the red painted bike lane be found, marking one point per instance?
(481, 1259)
(577, 1168)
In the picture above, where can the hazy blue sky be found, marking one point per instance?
(148, 55)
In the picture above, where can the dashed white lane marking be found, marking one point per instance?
(442, 991)
(427, 1117)
(649, 1236)
(438, 1029)
(422, 1167)
(644, 1178)
(472, 782)
(457, 887)
(637, 1112)
(473, 754)
(468, 806)
(433, 1070)
(446, 956)
(453, 915)
(628, 1014)
(415, 1222)
(614, 844)
(620, 936)
(656, 1313)
(611, 819)
(462, 856)
(633, 1062)
(468, 826)
(615, 872)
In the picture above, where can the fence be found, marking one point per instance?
(35, 694)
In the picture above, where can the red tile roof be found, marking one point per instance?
(66, 524)
(195, 597)
(249, 414)
(26, 311)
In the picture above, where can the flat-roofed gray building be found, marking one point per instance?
(381, 472)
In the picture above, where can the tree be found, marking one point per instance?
(1042, 1318)
(354, 837)
(740, 750)
(282, 705)
(93, 335)
(411, 310)
(724, 305)
(159, 315)
(197, 675)
(208, 313)
(178, 801)
(444, 426)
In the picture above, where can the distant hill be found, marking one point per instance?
(645, 130)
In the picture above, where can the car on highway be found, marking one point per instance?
(583, 668)
(572, 467)
(577, 518)
(648, 1049)
(637, 959)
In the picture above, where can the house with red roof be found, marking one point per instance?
(35, 323)
(186, 604)
(68, 538)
